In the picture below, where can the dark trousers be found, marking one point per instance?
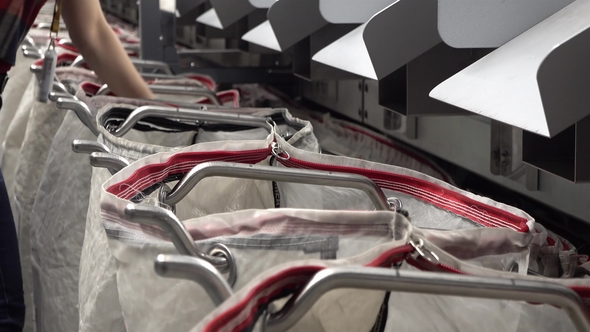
(12, 302)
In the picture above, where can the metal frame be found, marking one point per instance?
(278, 174)
(374, 278)
(559, 77)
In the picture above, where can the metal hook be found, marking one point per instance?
(197, 270)
(221, 250)
(81, 110)
(112, 162)
(88, 147)
(32, 52)
(179, 235)
(54, 96)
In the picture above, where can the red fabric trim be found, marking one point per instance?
(565, 245)
(4, 67)
(63, 57)
(484, 214)
(457, 202)
(206, 80)
(70, 48)
(550, 241)
(90, 88)
(33, 13)
(189, 160)
(583, 291)
(225, 97)
(400, 148)
(385, 259)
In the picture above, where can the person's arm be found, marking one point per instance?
(101, 48)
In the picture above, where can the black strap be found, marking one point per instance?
(3, 80)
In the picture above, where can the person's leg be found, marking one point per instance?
(12, 302)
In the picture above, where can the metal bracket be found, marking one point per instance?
(566, 155)
(501, 149)
(158, 41)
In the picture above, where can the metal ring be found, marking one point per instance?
(162, 194)
(221, 250)
(395, 203)
(276, 151)
(428, 255)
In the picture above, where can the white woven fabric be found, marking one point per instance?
(97, 270)
(257, 239)
(406, 311)
(459, 208)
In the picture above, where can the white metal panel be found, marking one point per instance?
(390, 39)
(505, 85)
(351, 11)
(490, 23)
(210, 18)
(348, 53)
(263, 35)
(231, 11)
(262, 3)
(293, 20)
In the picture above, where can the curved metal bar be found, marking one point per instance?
(60, 87)
(78, 62)
(279, 174)
(189, 114)
(88, 147)
(429, 283)
(186, 90)
(35, 69)
(29, 41)
(148, 64)
(112, 162)
(174, 90)
(103, 91)
(197, 270)
(81, 110)
(54, 96)
(31, 54)
(71, 85)
(179, 235)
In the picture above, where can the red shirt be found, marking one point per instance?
(16, 18)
